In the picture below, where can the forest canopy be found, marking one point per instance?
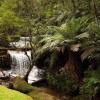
(65, 19)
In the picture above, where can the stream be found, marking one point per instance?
(20, 62)
(20, 65)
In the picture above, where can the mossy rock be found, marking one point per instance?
(21, 85)
(8, 94)
(35, 92)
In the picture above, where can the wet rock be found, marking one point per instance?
(21, 85)
(2, 74)
(39, 83)
(35, 75)
(4, 78)
(5, 61)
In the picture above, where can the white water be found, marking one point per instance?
(23, 42)
(19, 62)
(34, 75)
(20, 65)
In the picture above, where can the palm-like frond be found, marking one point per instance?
(66, 32)
(83, 35)
(74, 26)
(51, 38)
(51, 41)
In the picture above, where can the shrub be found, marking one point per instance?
(62, 83)
(91, 83)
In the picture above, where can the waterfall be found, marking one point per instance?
(20, 65)
(19, 62)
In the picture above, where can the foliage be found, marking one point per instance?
(10, 24)
(91, 81)
(91, 84)
(74, 26)
(62, 83)
(66, 32)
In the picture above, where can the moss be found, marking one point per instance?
(35, 92)
(8, 94)
(21, 85)
(39, 95)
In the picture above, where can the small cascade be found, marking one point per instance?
(20, 65)
(19, 62)
(23, 42)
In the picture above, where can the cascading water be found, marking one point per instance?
(23, 42)
(19, 62)
(20, 65)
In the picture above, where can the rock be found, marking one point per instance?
(1, 74)
(5, 61)
(21, 85)
(42, 82)
(8, 94)
(35, 92)
(35, 75)
(4, 78)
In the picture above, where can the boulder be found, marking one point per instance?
(21, 85)
(35, 75)
(5, 61)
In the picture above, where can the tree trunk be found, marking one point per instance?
(94, 10)
(74, 6)
(73, 66)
